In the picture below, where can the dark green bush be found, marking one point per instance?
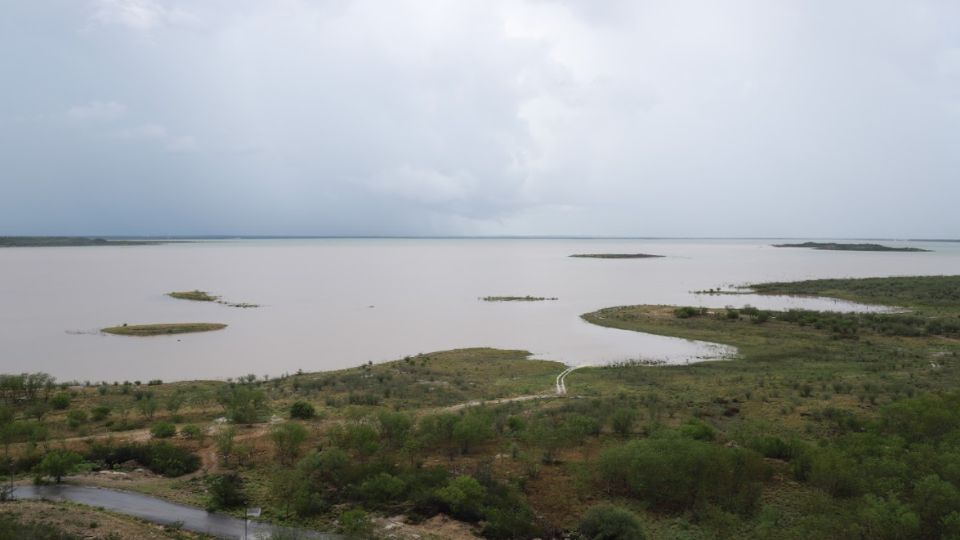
(160, 457)
(609, 522)
(163, 430)
(677, 474)
(226, 491)
(302, 410)
(60, 401)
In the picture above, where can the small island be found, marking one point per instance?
(616, 256)
(195, 295)
(834, 246)
(143, 330)
(203, 296)
(68, 241)
(527, 298)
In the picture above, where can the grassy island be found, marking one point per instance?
(162, 329)
(833, 246)
(68, 241)
(203, 296)
(194, 295)
(616, 256)
(527, 298)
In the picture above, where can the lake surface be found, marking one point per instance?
(335, 303)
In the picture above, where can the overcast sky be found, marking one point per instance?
(369, 117)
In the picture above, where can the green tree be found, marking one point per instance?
(59, 463)
(464, 496)
(226, 491)
(288, 437)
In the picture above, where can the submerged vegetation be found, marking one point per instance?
(527, 298)
(834, 246)
(162, 329)
(616, 256)
(827, 425)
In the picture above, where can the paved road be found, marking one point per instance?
(160, 511)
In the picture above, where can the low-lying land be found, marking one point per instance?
(527, 298)
(162, 329)
(616, 256)
(194, 295)
(825, 426)
(67, 241)
(203, 296)
(834, 246)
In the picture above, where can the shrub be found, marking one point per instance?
(160, 457)
(243, 403)
(302, 410)
(288, 438)
(60, 401)
(463, 496)
(697, 430)
(163, 430)
(623, 420)
(226, 491)
(382, 488)
(192, 431)
(76, 417)
(356, 524)
(682, 474)
(99, 413)
(609, 522)
(686, 312)
(59, 463)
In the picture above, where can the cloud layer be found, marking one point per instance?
(480, 117)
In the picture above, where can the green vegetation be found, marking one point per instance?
(834, 246)
(609, 522)
(68, 241)
(616, 256)
(920, 293)
(194, 295)
(203, 296)
(162, 329)
(517, 298)
(825, 425)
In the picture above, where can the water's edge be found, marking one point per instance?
(159, 511)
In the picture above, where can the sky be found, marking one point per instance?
(794, 118)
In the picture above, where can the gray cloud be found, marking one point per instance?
(485, 117)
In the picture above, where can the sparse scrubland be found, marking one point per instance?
(825, 426)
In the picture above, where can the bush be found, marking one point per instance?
(226, 491)
(623, 421)
(382, 488)
(681, 474)
(356, 524)
(288, 438)
(192, 431)
(302, 410)
(163, 430)
(609, 522)
(59, 463)
(60, 401)
(463, 496)
(686, 312)
(99, 413)
(160, 457)
(75, 418)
